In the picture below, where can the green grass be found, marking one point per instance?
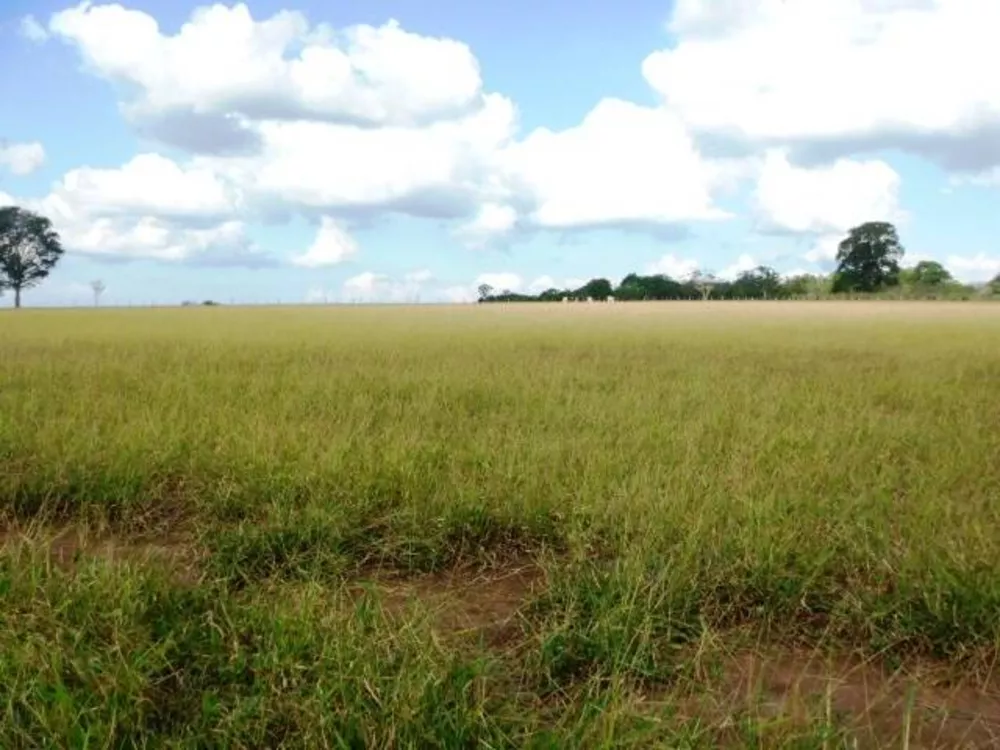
(687, 480)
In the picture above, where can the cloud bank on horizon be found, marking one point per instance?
(787, 115)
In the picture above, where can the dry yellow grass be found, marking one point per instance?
(681, 481)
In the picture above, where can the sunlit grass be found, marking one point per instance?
(822, 473)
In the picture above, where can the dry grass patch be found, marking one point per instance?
(67, 546)
(465, 601)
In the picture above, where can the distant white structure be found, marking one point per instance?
(611, 300)
(565, 300)
(590, 300)
(97, 287)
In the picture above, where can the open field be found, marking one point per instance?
(632, 525)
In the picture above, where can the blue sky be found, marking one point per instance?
(291, 150)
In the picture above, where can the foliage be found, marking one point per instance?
(926, 273)
(868, 266)
(868, 259)
(994, 286)
(655, 287)
(598, 289)
(807, 285)
(761, 282)
(29, 249)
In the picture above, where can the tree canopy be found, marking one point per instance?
(29, 249)
(868, 258)
(927, 273)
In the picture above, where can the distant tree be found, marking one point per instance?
(868, 258)
(993, 286)
(98, 288)
(761, 282)
(596, 288)
(704, 282)
(631, 288)
(807, 285)
(654, 287)
(29, 249)
(930, 273)
(485, 292)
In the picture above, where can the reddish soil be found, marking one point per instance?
(921, 707)
(924, 706)
(466, 602)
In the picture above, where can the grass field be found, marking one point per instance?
(634, 525)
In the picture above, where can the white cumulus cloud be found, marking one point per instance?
(225, 63)
(411, 287)
(151, 238)
(374, 120)
(331, 246)
(492, 220)
(825, 199)
(150, 208)
(744, 262)
(22, 158)
(823, 249)
(437, 171)
(624, 165)
(366, 282)
(674, 267)
(501, 281)
(838, 76)
(276, 117)
(146, 184)
(979, 267)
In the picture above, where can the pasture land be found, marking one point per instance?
(632, 525)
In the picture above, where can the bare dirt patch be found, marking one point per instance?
(69, 545)
(921, 706)
(466, 601)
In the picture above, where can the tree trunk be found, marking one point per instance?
(17, 296)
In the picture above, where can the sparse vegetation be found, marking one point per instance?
(689, 525)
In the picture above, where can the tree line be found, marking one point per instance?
(868, 264)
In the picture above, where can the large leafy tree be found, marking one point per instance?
(868, 258)
(29, 249)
